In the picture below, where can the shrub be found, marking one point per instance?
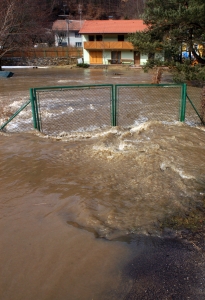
(82, 65)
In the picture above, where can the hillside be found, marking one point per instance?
(99, 9)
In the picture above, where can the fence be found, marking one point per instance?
(194, 104)
(81, 108)
(58, 109)
(143, 102)
(50, 52)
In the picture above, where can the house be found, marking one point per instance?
(105, 42)
(66, 32)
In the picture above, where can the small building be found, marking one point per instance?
(66, 32)
(106, 42)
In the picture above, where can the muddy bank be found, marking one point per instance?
(174, 271)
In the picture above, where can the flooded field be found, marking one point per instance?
(83, 213)
(81, 100)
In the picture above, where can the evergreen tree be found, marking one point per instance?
(172, 24)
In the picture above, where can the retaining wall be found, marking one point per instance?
(47, 61)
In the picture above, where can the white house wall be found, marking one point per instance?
(72, 39)
(106, 56)
(159, 55)
(86, 56)
(63, 40)
(127, 54)
(56, 40)
(143, 58)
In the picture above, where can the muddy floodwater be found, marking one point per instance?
(83, 213)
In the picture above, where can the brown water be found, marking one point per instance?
(81, 213)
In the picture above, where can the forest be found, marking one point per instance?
(99, 9)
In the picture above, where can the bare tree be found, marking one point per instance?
(132, 9)
(102, 9)
(60, 35)
(22, 23)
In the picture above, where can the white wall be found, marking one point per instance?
(106, 56)
(127, 54)
(159, 55)
(72, 39)
(143, 58)
(86, 56)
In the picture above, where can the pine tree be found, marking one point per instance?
(172, 24)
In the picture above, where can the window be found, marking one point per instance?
(63, 44)
(91, 38)
(120, 38)
(77, 35)
(116, 57)
(98, 37)
(78, 44)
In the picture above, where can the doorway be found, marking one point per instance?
(95, 57)
(116, 57)
(136, 57)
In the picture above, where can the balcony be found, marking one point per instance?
(103, 45)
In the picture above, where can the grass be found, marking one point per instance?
(193, 221)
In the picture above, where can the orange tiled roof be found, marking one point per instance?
(112, 26)
(62, 25)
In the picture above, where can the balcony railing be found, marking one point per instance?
(108, 45)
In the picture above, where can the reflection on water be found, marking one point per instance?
(24, 79)
(78, 210)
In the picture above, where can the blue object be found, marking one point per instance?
(185, 54)
(6, 74)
